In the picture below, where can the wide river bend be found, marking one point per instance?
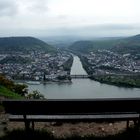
(83, 88)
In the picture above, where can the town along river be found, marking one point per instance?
(83, 88)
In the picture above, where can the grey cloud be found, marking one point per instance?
(8, 8)
(36, 6)
(12, 7)
(41, 6)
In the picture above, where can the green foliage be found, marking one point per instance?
(127, 81)
(16, 88)
(20, 89)
(6, 93)
(19, 44)
(5, 82)
(35, 95)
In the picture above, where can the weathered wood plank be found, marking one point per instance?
(47, 118)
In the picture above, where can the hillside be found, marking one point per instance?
(128, 45)
(82, 46)
(6, 93)
(14, 59)
(25, 44)
(87, 46)
(9, 89)
(121, 45)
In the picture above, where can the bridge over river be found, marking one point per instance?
(79, 76)
(83, 76)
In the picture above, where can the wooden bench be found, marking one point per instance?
(77, 110)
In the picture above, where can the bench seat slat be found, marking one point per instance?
(49, 118)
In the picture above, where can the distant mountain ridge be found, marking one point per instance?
(8, 44)
(121, 45)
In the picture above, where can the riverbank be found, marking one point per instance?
(120, 81)
(41, 82)
(117, 80)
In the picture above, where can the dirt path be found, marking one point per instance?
(82, 129)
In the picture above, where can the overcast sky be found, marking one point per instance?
(69, 17)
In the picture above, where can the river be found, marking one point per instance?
(83, 88)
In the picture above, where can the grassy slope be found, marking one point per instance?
(4, 92)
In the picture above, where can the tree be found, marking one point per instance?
(20, 89)
(17, 88)
(35, 95)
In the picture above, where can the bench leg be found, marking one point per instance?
(135, 123)
(33, 125)
(27, 125)
(138, 124)
(127, 124)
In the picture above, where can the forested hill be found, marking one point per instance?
(128, 45)
(87, 46)
(121, 45)
(8, 44)
(82, 46)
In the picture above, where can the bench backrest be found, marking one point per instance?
(77, 106)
